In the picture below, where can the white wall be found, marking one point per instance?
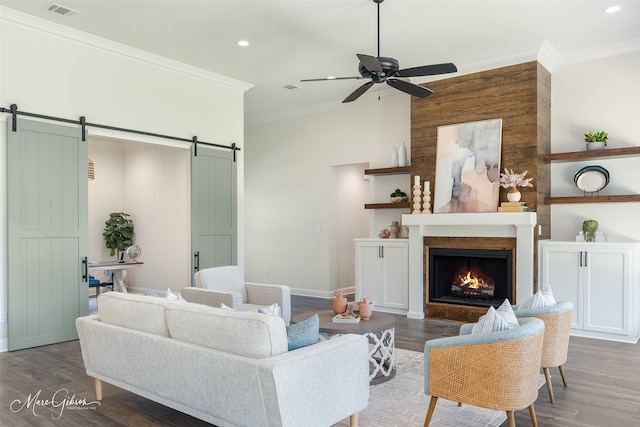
(48, 69)
(591, 96)
(288, 162)
(288, 187)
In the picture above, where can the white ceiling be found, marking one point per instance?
(298, 39)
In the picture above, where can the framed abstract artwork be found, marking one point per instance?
(468, 167)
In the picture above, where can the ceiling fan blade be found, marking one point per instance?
(369, 62)
(333, 78)
(427, 70)
(356, 93)
(410, 88)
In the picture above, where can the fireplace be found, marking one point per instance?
(476, 277)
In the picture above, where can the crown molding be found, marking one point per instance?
(30, 22)
(621, 48)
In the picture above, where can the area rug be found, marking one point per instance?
(401, 402)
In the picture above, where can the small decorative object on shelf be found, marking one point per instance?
(513, 207)
(394, 230)
(394, 158)
(402, 155)
(589, 229)
(426, 198)
(511, 180)
(384, 233)
(339, 302)
(398, 196)
(366, 308)
(596, 140)
(417, 196)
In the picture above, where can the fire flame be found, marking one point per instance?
(471, 281)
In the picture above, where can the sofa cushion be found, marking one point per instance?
(248, 334)
(139, 312)
(304, 333)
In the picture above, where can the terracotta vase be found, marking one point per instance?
(339, 302)
(366, 308)
(513, 195)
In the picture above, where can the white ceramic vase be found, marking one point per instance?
(395, 162)
(402, 155)
(513, 195)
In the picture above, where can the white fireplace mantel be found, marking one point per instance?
(503, 224)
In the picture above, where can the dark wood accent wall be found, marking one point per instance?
(520, 95)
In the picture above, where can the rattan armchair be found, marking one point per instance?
(498, 370)
(557, 327)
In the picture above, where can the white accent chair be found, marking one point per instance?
(225, 285)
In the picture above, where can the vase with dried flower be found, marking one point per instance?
(512, 181)
(339, 302)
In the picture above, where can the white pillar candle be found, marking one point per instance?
(427, 186)
(416, 180)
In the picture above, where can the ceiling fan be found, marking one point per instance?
(382, 69)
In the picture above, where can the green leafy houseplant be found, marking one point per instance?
(118, 233)
(601, 136)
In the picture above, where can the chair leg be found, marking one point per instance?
(564, 380)
(512, 421)
(549, 387)
(98, 385)
(353, 420)
(532, 413)
(432, 406)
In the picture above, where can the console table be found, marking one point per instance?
(116, 270)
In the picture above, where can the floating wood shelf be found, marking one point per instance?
(592, 199)
(400, 205)
(593, 154)
(388, 171)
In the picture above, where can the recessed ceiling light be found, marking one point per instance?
(243, 43)
(612, 9)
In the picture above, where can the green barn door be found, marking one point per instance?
(47, 233)
(213, 208)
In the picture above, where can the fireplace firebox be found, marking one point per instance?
(477, 277)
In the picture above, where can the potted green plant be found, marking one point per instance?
(118, 233)
(596, 140)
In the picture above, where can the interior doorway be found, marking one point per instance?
(348, 220)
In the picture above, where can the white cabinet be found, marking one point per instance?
(382, 273)
(601, 279)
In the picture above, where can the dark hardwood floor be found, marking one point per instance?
(603, 377)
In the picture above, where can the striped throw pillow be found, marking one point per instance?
(490, 322)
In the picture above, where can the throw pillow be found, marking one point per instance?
(150, 293)
(536, 300)
(174, 297)
(490, 322)
(506, 311)
(273, 309)
(304, 333)
(546, 292)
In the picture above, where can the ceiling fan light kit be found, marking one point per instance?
(381, 69)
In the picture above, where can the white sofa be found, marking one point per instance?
(225, 367)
